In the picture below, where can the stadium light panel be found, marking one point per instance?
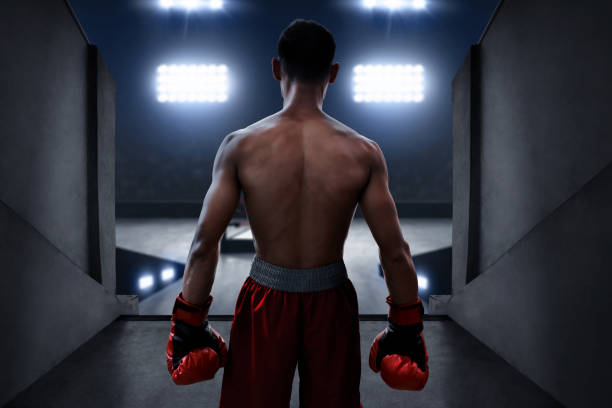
(190, 5)
(419, 4)
(395, 4)
(216, 4)
(192, 83)
(388, 83)
(167, 274)
(145, 282)
(423, 282)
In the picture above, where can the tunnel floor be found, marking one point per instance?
(124, 366)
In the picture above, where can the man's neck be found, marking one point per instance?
(303, 97)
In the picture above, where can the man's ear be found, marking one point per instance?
(276, 68)
(333, 72)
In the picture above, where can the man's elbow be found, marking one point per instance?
(399, 253)
(205, 249)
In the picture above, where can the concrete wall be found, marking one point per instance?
(464, 191)
(56, 190)
(102, 167)
(533, 187)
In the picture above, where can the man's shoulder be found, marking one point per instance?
(245, 139)
(248, 137)
(365, 144)
(253, 129)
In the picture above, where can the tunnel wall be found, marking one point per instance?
(533, 193)
(57, 168)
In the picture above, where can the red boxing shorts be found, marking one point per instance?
(288, 317)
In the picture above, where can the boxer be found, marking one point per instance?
(302, 173)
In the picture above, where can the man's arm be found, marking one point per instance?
(398, 352)
(379, 211)
(217, 211)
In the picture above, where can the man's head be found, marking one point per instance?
(305, 53)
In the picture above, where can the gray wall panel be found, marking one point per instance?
(544, 214)
(49, 306)
(105, 160)
(56, 165)
(545, 113)
(43, 122)
(544, 305)
(462, 104)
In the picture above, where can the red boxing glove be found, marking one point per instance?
(195, 351)
(399, 351)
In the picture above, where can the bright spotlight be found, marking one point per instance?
(145, 282)
(423, 282)
(192, 83)
(388, 83)
(216, 4)
(166, 4)
(167, 274)
(393, 5)
(419, 4)
(191, 5)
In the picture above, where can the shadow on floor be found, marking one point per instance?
(123, 367)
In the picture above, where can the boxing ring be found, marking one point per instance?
(164, 242)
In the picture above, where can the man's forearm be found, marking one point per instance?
(400, 275)
(200, 274)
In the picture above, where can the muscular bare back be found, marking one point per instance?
(302, 176)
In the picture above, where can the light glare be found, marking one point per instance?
(388, 83)
(190, 5)
(192, 83)
(423, 282)
(393, 5)
(419, 4)
(145, 282)
(167, 274)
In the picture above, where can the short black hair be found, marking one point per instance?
(306, 50)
